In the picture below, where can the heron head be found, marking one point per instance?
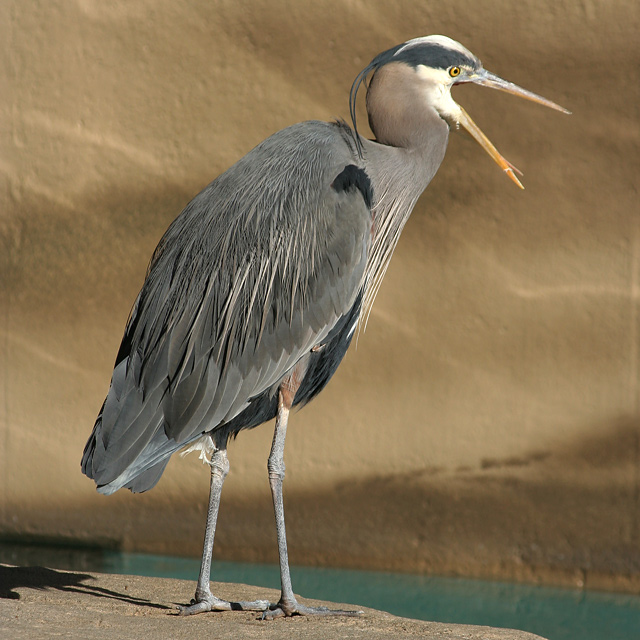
(439, 63)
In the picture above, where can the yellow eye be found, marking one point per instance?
(454, 71)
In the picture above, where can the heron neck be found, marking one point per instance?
(399, 176)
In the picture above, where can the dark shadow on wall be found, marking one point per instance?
(568, 516)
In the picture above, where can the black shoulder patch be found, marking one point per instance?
(354, 177)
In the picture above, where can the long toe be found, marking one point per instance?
(211, 603)
(289, 609)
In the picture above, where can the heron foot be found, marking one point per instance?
(294, 608)
(209, 602)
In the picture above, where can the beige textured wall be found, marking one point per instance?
(488, 422)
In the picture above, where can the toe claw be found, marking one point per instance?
(194, 607)
(296, 609)
(272, 613)
(211, 603)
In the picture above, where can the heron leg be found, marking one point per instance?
(287, 605)
(204, 600)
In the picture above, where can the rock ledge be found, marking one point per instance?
(45, 603)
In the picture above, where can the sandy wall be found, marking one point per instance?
(488, 422)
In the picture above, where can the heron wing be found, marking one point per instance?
(253, 274)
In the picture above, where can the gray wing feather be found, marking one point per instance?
(253, 274)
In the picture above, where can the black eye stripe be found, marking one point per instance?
(433, 55)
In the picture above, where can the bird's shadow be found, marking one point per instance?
(42, 578)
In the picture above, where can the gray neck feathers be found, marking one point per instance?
(411, 140)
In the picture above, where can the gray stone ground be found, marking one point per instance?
(36, 602)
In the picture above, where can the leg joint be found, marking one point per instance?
(220, 464)
(276, 468)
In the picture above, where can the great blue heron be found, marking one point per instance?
(254, 292)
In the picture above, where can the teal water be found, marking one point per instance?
(556, 614)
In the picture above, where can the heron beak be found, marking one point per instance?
(474, 130)
(487, 79)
